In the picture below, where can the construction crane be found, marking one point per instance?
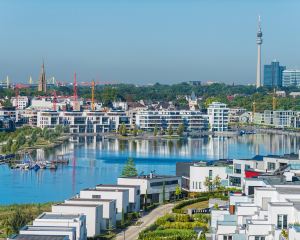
(253, 108)
(274, 100)
(30, 80)
(93, 95)
(54, 100)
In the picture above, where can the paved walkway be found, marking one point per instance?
(132, 232)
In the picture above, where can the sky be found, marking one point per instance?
(145, 41)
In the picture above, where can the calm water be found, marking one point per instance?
(96, 160)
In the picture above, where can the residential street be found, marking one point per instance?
(132, 232)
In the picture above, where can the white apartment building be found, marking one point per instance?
(20, 102)
(50, 219)
(162, 119)
(264, 217)
(120, 195)
(93, 215)
(153, 187)
(109, 209)
(218, 115)
(198, 172)
(134, 194)
(291, 77)
(36, 231)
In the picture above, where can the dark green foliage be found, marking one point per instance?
(129, 169)
(170, 234)
(180, 129)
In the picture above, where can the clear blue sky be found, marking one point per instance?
(145, 41)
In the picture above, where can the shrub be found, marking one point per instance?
(170, 234)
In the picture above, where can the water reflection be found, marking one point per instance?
(95, 160)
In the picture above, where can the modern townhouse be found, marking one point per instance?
(153, 188)
(50, 219)
(134, 194)
(52, 231)
(93, 215)
(120, 195)
(195, 174)
(109, 209)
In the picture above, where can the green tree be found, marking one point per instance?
(217, 182)
(123, 130)
(180, 129)
(129, 169)
(170, 130)
(178, 191)
(16, 221)
(208, 183)
(164, 192)
(155, 132)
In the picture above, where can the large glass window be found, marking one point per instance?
(227, 237)
(259, 238)
(271, 166)
(282, 221)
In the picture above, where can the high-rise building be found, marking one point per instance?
(273, 74)
(259, 43)
(291, 77)
(42, 87)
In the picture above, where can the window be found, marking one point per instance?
(210, 174)
(227, 237)
(282, 221)
(271, 166)
(96, 196)
(259, 238)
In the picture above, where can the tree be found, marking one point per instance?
(170, 130)
(180, 129)
(16, 221)
(208, 183)
(164, 192)
(178, 191)
(122, 130)
(155, 132)
(129, 169)
(217, 182)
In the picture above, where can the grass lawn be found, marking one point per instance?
(199, 205)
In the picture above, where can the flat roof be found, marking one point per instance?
(91, 199)
(47, 228)
(153, 177)
(58, 216)
(117, 185)
(104, 190)
(288, 190)
(38, 237)
(76, 205)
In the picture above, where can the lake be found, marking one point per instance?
(95, 160)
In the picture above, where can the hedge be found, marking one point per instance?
(178, 207)
(170, 234)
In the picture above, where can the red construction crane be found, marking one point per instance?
(75, 87)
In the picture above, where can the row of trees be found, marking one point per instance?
(28, 137)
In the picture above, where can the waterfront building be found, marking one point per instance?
(93, 215)
(7, 124)
(109, 209)
(194, 174)
(192, 120)
(50, 219)
(20, 102)
(134, 194)
(48, 230)
(267, 215)
(120, 195)
(218, 116)
(235, 113)
(291, 77)
(273, 74)
(156, 188)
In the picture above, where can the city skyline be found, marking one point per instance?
(134, 42)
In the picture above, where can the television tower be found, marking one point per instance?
(259, 42)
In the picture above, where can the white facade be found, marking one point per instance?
(109, 209)
(134, 195)
(120, 195)
(20, 102)
(218, 116)
(51, 219)
(192, 120)
(153, 185)
(291, 77)
(263, 217)
(49, 231)
(198, 175)
(93, 215)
